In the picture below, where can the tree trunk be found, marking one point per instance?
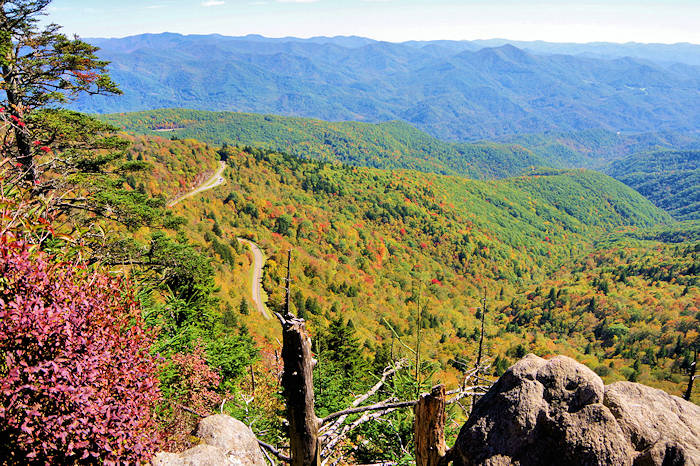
(689, 390)
(297, 383)
(429, 428)
(15, 105)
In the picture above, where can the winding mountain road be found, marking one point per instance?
(258, 257)
(256, 282)
(215, 180)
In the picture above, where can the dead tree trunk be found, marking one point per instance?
(298, 387)
(297, 383)
(429, 428)
(689, 390)
(481, 342)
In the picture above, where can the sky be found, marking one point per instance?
(658, 21)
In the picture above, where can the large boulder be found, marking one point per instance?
(233, 437)
(225, 441)
(200, 455)
(662, 429)
(557, 411)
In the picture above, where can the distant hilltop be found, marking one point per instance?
(682, 52)
(453, 90)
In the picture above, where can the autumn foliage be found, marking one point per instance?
(190, 382)
(77, 382)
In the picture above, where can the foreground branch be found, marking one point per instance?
(191, 411)
(349, 428)
(275, 452)
(362, 409)
(388, 372)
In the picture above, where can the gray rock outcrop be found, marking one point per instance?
(225, 441)
(199, 455)
(557, 411)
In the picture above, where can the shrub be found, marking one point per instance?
(187, 381)
(77, 381)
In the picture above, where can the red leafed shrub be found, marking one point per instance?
(189, 382)
(197, 380)
(76, 379)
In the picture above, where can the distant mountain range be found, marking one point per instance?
(453, 90)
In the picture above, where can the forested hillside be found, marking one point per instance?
(597, 148)
(449, 92)
(384, 145)
(174, 166)
(670, 179)
(366, 242)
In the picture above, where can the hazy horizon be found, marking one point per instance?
(486, 39)
(560, 21)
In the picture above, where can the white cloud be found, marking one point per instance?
(212, 2)
(297, 1)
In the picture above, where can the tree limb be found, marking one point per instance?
(191, 411)
(389, 371)
(274, 451)
(350, 427)
(397, 336)
(362, 409)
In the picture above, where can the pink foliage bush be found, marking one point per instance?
(77, 382)
(197, 381)
(190, 382)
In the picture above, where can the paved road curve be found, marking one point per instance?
(216, 180)
(256, 285)
(259, 259)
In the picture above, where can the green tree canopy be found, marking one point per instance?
(40, 67)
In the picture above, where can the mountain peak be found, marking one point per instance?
(507, 52)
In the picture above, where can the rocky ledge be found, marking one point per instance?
(559, 412)
(225, 441)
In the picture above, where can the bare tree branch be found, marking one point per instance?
(397, 337)
(275, 452)
(191, 411)
(362, 409)
(388, 372)
(349, 428)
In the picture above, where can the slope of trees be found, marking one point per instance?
(399, 145)
(598, 147)
(628, 310)
(670, 179)
(385, 145)
(366, 241)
